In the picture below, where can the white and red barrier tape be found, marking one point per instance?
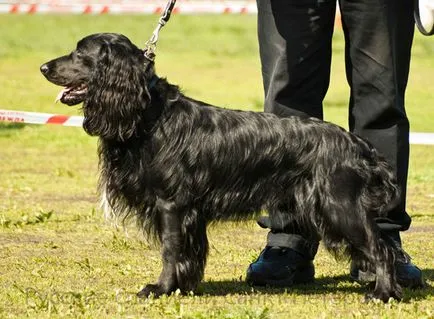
(66, 120)
(39, 118)
(147, 7)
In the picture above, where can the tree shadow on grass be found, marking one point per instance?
(321, 286)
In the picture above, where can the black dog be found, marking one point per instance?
(177, 164)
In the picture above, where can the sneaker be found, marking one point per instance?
(408, 274)
(280, 267)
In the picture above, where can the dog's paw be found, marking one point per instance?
(151, 290)
(383, 296)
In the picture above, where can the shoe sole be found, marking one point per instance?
(299, 277)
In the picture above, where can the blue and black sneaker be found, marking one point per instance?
(280, 267)
(407, 273)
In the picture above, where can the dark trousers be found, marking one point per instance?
(295, 40)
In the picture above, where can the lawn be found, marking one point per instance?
(60, 258)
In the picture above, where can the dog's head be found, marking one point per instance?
(109, 75)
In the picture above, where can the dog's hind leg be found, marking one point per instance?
(184, 251)
(382, 256)
(347, 220)
(376, 254)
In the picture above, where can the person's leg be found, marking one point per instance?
(379, 36)
(295, 49)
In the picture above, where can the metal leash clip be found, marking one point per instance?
(151, 44)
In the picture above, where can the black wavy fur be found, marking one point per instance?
(176, 164)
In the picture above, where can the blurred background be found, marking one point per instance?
(59, 258)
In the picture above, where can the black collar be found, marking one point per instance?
(152, 82)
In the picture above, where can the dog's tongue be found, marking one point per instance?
(59, 96)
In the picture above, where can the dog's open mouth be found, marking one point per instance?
(72, 95)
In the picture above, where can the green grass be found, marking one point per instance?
(59, 258)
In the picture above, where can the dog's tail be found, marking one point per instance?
(383, 191)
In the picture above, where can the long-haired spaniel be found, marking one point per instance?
(176, 164)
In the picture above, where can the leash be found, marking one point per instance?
(418, 20)
(151, 44)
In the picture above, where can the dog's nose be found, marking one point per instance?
(44, 68)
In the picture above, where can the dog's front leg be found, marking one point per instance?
(169, 229)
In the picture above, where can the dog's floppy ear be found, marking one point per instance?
(117, 94)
